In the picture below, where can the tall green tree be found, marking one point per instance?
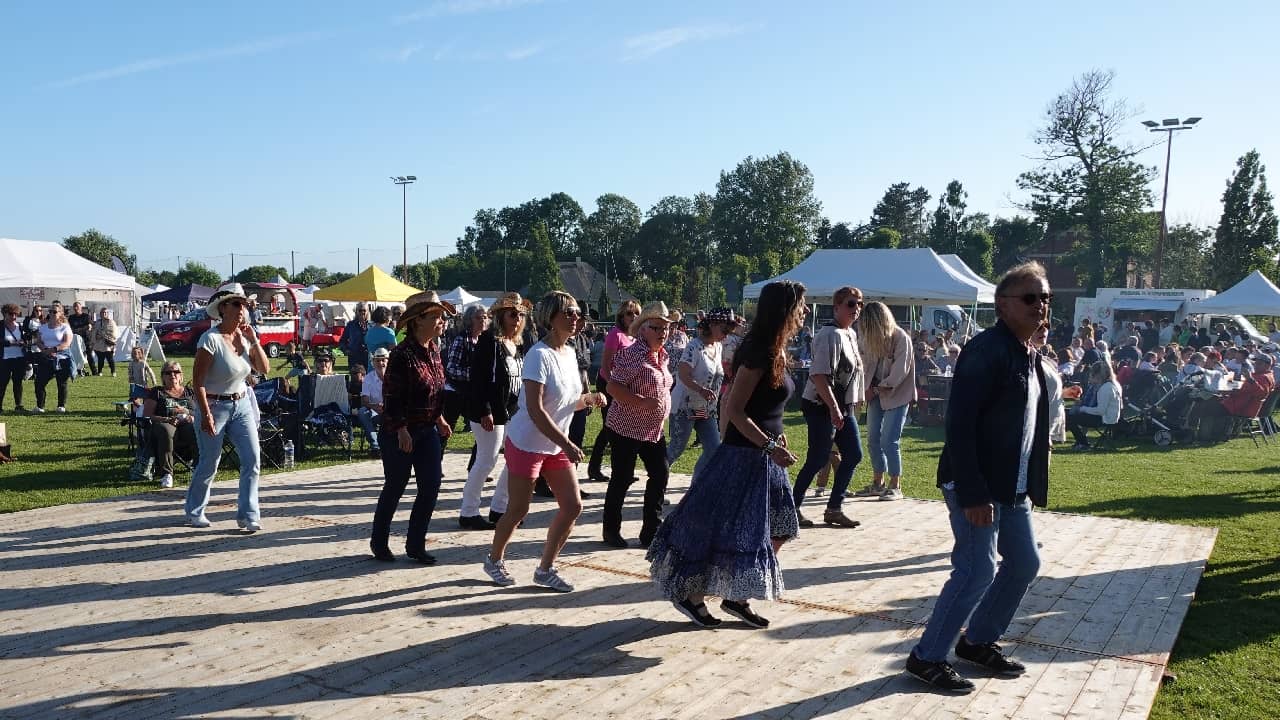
(260, 273)
(903, 210)
(564, 218)
(1186, 257)
(312, 275)
(1246, 237)
(974, 246)
(1013, 238)
(544, 274)
(607, 235)
(948, 219)
(196, 273)
(483, 237)
(885, 238)
(1087, 180)
(766, 205)
(424, 276)
(95, 245)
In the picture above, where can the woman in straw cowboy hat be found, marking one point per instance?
(536, 441)
(413, 430)
(723, 537)
(493, 390)
(225, 357)
(640, 385)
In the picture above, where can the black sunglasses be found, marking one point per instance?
(851, 304)
(1032, 298)
(572, 312)
(170, 372)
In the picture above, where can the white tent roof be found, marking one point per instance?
(311, 289)
(159, 287)
(986, 290)
(460, 297)
(1254, 295)
(36, 264)
(896, 277)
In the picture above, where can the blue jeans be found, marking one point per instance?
(235, 421)
(821, 437)
(884, 437)
(976, 591)
(369, 423)
(425, 462)
(708, 430)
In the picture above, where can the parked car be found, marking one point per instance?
(182, 334)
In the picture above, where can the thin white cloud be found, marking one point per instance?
(256, 47)
(521, 53)
(444, 8)
(639, 47)
(403, 54)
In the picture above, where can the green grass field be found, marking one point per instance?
(1227, 659)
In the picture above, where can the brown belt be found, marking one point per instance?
(221, 398)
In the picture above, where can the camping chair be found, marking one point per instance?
(1269, 409)
(329, 422)
(276, 411)
(933, 405)
(131, 418)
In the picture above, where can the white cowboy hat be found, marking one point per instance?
(230, 291)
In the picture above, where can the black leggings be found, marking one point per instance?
(12, 370)
(99, 360)
(602, 440)
(52, 369)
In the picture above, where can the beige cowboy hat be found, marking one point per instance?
(229, 291)
(656, 310)
(422, 302)
(511, 301)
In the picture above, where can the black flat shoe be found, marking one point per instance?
(583, 494)
(743, 612)
(382, 554)
(494, 517)
(697, 613)
(614, 540)
(421, 556)
(597, 476)
(474, 522)
(541, 489)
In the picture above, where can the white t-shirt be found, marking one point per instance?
(707, 369)
(557, 372)
(228, 371)
(52, 337)
(13, 346)
(372, 387)
(1029, 423)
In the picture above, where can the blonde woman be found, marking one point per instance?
(170, 407)
(54, 363)
(890, 389)
(104, 343)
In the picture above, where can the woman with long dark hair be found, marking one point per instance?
(723, 537)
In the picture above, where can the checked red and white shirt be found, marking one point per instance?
(646, 375)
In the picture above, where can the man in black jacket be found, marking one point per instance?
(994, 466)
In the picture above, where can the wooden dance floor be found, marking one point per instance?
(114, 609)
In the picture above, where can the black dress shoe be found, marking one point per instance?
(541, 489)
(494, 517)
(597, 476)
(474, 522)
(421, 556)
(583, 494)
(382, 554)
(614, 540)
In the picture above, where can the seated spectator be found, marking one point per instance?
(1171, 365)
(1104, 353)
(169, 407)
(1129, 352)
(1066, 366)
(1148, 363)
(296, 359)
(324, 362)
(1076, 351)
(947, 363)
(924, 363)
(1245, 402)
(370, 413)
(1099, 406)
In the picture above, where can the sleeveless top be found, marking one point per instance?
(765, 408)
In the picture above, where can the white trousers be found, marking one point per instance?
(487, 446)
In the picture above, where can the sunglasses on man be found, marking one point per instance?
(1032, 298)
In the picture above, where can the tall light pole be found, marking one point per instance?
(404, 181)
(1168, 126)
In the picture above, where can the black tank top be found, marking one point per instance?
(764, 407)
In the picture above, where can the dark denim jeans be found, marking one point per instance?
(976, 591)
(821, 438)
(654, 457)
(396, 464)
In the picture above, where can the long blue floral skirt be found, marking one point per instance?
(717, 540)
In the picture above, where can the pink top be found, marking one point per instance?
(636, 367)
(615, 341)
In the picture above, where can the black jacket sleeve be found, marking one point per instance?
(480, 387)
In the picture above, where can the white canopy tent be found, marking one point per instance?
(461, 298)
(33, 271)
(910, 276)
(986, 290)
(1254, 295)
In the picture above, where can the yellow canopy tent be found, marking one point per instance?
(371, 285)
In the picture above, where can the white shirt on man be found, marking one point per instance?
(372, 388)
(557, 372)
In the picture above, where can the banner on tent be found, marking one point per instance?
(32, 293)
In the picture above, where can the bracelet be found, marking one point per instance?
(770, 445)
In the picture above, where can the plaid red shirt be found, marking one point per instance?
(636, 367)
(413, 386)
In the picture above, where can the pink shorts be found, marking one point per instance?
(524, 464)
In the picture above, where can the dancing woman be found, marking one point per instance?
(723, 537)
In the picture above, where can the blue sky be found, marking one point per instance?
(196, 130)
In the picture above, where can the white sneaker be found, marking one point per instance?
(497, 571)
(871, 490)
(551, 578)
(38, 410)
(166, 481)
(891, 494)
(250, 526)
(198, 522)
(61, 409)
